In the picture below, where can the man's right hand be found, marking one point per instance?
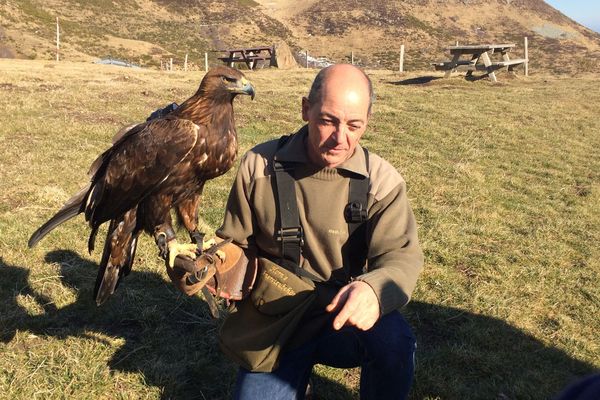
(357, 305)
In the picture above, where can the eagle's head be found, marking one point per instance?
(225, 83)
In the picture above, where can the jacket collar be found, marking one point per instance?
(294, 150)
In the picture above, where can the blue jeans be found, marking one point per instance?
(385, 354)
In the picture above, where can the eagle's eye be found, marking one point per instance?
(227, 79)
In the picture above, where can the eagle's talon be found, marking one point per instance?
(207, 244)
(181, 249)
(221, 255)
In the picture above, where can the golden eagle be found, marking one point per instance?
(153, 167)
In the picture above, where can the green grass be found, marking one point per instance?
(504, 180)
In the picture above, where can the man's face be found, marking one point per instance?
(336, 122)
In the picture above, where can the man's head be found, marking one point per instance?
(337, 110)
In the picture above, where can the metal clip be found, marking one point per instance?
(355, 213)
(291, 235)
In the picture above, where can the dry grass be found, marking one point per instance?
(504, 180)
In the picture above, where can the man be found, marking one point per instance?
(364, 327)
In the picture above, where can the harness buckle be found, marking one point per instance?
(354, 212)
(293, 234)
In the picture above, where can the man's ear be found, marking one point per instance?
(305, 109)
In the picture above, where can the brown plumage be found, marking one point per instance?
(153, 167)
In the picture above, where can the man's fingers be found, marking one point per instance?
(337, 300)
(356, 305)
(346, 313)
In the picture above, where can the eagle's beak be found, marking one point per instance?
(246, 88)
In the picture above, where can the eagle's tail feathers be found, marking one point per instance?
(107, 273)
(71, 208)
(117, 259)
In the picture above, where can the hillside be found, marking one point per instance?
(146, 31)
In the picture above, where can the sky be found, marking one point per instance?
(586, 12)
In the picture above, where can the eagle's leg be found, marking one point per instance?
(187, 211)
(168, 245)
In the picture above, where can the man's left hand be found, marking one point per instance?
(357, 305)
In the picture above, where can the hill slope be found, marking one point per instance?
(149, 30)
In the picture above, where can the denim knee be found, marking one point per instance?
(390, 343)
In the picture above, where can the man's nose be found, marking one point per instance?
(340, 133)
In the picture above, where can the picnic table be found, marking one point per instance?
(250, 56)
(481, 59)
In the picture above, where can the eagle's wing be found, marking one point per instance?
(136, 165)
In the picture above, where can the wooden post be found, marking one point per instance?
(185, 62)
(205, 62)
(171, 64)
(401, 66)
(57, 40)
(526, 57)
(352, 58)
(306, 58)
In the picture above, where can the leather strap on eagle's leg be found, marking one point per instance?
(162, 235)
(197, 238)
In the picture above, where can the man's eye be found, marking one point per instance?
(326, 121)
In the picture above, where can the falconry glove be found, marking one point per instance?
(222, 270)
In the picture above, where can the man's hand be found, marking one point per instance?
(357, 305)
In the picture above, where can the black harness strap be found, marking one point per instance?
(355, 212)
(290, 232)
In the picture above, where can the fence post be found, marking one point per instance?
(57, 40)
(185, 62)
(352, 58)
(171, 64)
(401, 66)
(205, 62)
(526, 57)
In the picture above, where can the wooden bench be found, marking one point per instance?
(512, 63)
(449, 65)
(250, 56)
(480, 59)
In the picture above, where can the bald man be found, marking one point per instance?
(359, 323)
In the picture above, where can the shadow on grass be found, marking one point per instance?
(462, 355)
(171, 340)
(168, 337)
(420, 80)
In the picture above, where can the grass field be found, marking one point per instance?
(504, 180)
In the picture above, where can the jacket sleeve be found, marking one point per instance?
(238, 219)
(395, 258)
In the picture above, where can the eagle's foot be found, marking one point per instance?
(210, 243)
(207, 244)
(181, 249)
(221, 255)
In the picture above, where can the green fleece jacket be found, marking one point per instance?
(394, 257)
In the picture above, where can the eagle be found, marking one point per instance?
(151, 168)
